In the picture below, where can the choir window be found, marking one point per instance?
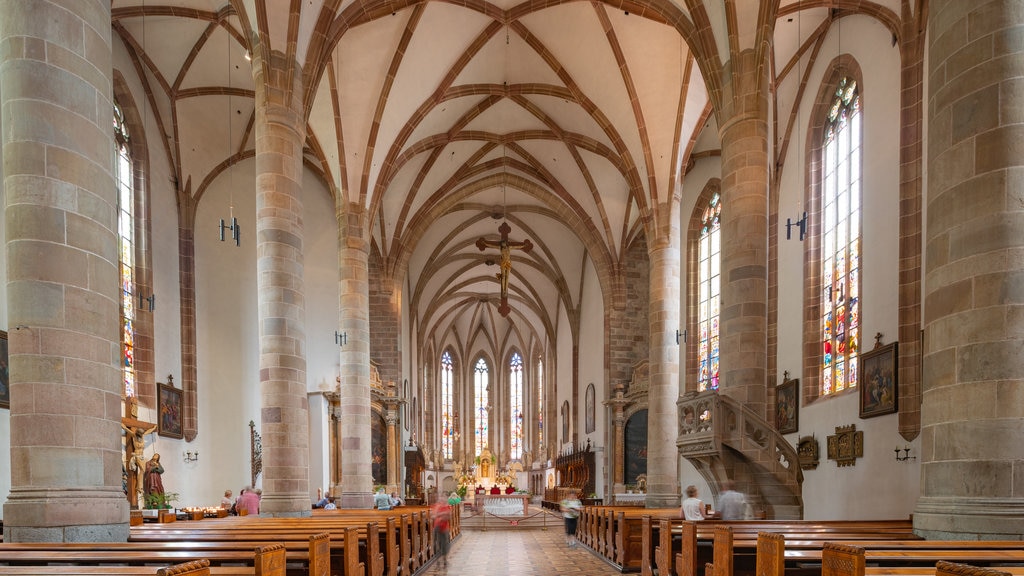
(483, 410)
(540, 403)
(516, 405)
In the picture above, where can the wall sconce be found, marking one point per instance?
(190, 456)
(147, 303)
(340, 338)
(235, 230)
(678, 334)
(801, 224)
(906, 454)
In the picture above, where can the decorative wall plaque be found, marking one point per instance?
(846, 446)
(807, 451)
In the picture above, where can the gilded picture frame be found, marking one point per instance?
(168, 411)
(787, 406)
(878, 381)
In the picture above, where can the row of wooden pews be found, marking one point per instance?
(675, 546)
(345, 542)
(616, 532)
(817, 549)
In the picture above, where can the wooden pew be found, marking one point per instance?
(259, 558)
(266, 561)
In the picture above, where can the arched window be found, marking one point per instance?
(540, 404)
(483, 410)
(840, 242)
(709, 262)
(125, 176)
(515, 400)
(447, 415)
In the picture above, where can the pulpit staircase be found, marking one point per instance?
(724, 440)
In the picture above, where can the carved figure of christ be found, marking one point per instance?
(506, 247)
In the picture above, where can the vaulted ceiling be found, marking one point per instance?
(573, 121)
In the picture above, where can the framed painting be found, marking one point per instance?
(5, 380)
(879, 392)
(787, 406)
(168, 411)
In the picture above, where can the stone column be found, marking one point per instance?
(744, 320)
(972, 413)
(394, 448)
(662, 423)
(62, 273)
(618, 403)
(280, 134)
(356, 469)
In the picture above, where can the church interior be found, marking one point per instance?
(605, 249)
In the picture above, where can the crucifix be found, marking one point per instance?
(506, 246)
(135, 432)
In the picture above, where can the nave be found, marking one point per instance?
(519, 552)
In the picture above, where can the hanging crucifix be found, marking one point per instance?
(506, 246)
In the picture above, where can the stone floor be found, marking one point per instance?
(519, 552)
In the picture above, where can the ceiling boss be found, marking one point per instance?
(506, 246)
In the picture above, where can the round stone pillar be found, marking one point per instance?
(62, 273)
(972, 413)
(356, 466)
(280, 134)
(744, 320)
(662, 419)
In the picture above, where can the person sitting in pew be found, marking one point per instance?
(381, 500)
(693, 508)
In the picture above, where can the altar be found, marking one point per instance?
(505, 504)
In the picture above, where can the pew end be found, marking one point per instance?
(841, 560)
(193, 568)
(944, 568)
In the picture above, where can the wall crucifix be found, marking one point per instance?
(506, 246)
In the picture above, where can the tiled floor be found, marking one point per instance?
(519, 552)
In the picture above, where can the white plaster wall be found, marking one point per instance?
(593, 369)
(859, 491)
(227, 342)
(563, 376)
(5, 415)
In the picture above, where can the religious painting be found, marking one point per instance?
(635, 447)
(878, 381)
(378, 449)
(5, 375)
(591, 416)
(168, 411)
(787, 406)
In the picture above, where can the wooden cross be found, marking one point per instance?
(506, 246)
(135, 432)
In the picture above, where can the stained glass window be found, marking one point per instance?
(126, 248)
(447, 415)
(515, 394)
(709, 289)
(540, 402)
(840, 240)
(483, 410)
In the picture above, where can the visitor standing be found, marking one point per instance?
(732, 505)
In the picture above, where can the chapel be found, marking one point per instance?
(612, 249)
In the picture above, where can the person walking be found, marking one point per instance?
(571, 512)
(732, 505)
(440, 517)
